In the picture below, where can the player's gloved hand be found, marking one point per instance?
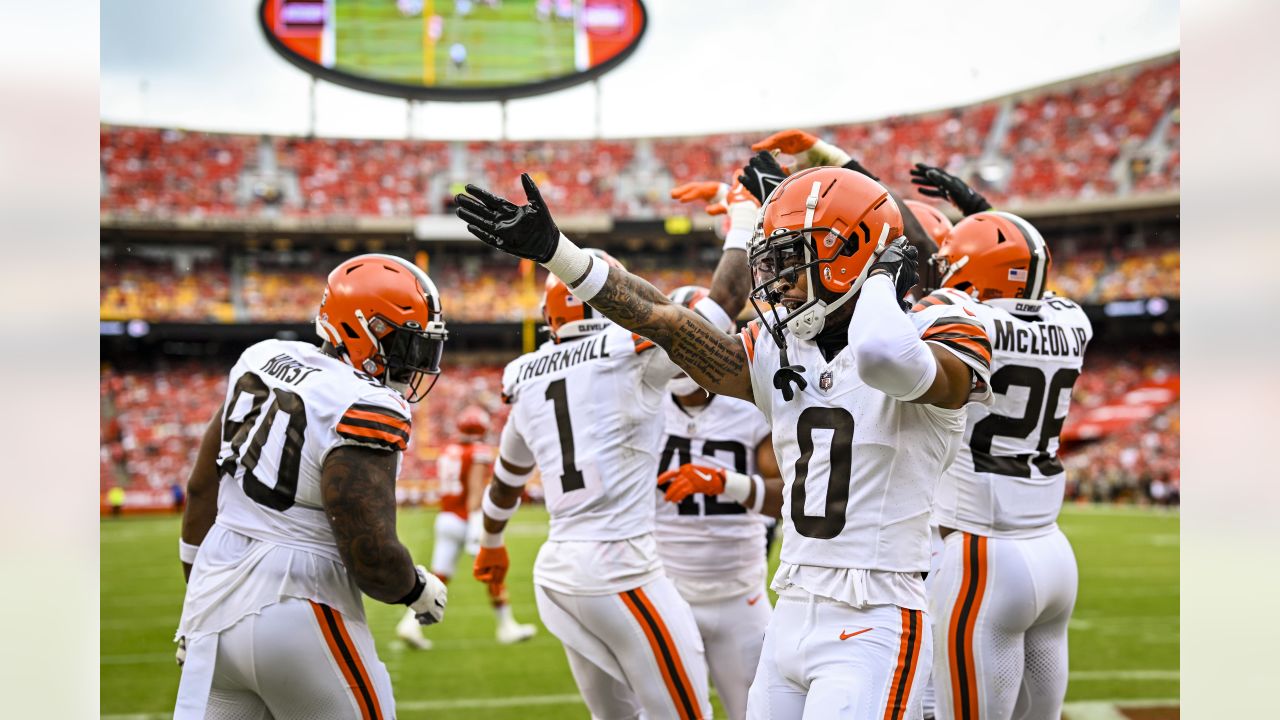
(761, 175)
(429, 607)
(857, 167)
(181, 654)
(712, 193)
(936, 182)
(689, 479)
(491, 565)
(809, 150)
(898, 261)
(526, 231)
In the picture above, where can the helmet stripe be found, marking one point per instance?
(1036, 248)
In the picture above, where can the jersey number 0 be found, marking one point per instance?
(281, 495)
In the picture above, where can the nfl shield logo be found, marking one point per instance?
(824, 381)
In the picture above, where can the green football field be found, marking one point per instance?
(506, 44)
(1124, 634)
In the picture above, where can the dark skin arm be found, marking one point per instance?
(202, 489)
(950, 388)
(717, 361)
(504, 495)
(358, 488)
(767, 464)
(731, 283)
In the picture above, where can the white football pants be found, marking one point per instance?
(298, 659)
(1000, 609)
(732, 631)
(824, 660)
(633, 651)
(450, 536)
(935, 563)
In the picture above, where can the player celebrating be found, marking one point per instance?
(866, 405)
(463, 469)
(718, 461)
(586, 410)
(292, 511)
(1006, 584)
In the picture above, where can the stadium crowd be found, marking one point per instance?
(1108, 134)
(152, 421)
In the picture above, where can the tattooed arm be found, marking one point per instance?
(731, 283)
(358, 487)
(715, 360)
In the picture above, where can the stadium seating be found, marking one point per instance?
(1109, 134)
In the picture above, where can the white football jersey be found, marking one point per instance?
(287, 406)
(711, 537)
(590, 411)
(859, 466)
(1007, 480)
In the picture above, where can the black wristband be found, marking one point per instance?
(419, 585)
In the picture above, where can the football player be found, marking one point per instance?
(292, 509)
(463, 469)
(1006, 584)
(720, 482)
(586, 409)
(866, 405)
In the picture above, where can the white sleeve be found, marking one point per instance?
(513, 448)
(659, 368)
(887, 348)
(716, 315)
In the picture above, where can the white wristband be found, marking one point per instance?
(737, 486)
(187, 551)
(742, 222)
(491, 509)
(490, 540)
(508, 478)
(824, 153)
(594, 280)
(569, 261)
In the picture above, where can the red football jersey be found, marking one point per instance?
(453, 467)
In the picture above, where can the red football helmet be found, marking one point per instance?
(995, 256)
(565, 315)
(829, 222)
(931, 219)
(473, 421)
(382, 315)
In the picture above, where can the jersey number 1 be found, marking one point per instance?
(571, 476)
(281, 496)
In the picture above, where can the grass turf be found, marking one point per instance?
(505, 44)
(1124, 633)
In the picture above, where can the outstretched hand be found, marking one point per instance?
(708, 191)
(761, 175)
(936, 182)
(526, 231)
(809, 149)
(898, 261)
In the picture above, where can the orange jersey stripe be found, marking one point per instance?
(348, 673)
(385, 419)
(908, 660)
(675, 653)
(964, 618)
(359, 665)
(385, 438)
(683, 705)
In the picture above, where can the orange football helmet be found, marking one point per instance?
(382, 314)
(565, 315)
(829, 222)
(994, 256)
(473, 421)
(931, 219)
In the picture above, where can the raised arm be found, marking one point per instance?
(358, 490)
(716, 361)
(202, 495)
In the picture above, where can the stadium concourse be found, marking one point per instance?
(211, 242)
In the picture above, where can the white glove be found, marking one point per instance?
(429, 607)
(475, 527)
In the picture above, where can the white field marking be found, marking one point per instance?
(1087, 675)
(394, 646)
(1071, 710)
(1127, 510)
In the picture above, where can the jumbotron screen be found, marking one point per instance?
(454, 49)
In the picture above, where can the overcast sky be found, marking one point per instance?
(702, 66)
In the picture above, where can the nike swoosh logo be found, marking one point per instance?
(846, 636)
(706, 477)
(754, 600)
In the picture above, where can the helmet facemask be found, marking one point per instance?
(408, 354)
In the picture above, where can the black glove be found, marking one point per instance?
(526, 231)
(761, 175)
(936, 182)
(898, 262)
(856, 166)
